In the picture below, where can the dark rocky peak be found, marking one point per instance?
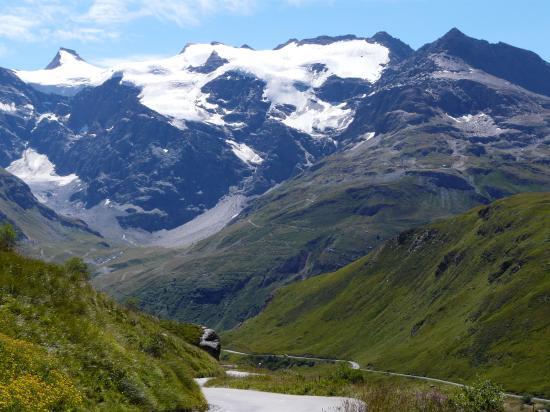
(246, 46)
(286, 43)
(56, 62)
(518, 66)
(399, 50)
(453, 42)
(212, 63)
(187, 45)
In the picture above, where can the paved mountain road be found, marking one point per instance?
(356, 365)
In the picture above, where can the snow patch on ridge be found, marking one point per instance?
(365, 138)
(481, 124)
(8, 107)
(52, 117)
(37, 168)
(245, 153)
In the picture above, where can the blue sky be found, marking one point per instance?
(102, 31)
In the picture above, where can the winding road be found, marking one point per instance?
(239, 400)
(356, 365)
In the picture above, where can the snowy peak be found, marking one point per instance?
(66, 75)
(175, 87)
(63, 56)
(319, 40)
(213, 63)
(398, 49)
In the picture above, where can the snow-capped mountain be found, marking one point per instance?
(177, 87)
(66, 74)
(155, 144)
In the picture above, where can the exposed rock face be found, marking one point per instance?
(211, 343)
(162, 166)
(446, 128)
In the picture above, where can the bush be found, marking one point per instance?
(483, 396)
(76, 267)
(346, 374)
(8, 237)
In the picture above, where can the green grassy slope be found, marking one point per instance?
(463, 296)
(65, 346)
(325, 218)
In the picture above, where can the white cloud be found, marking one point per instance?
(110, 11)
(42, 20)
(97, 20)
(180, 12)
(17, 27)
(83, 34)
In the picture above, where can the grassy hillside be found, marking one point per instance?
(300, 229)
(64, 346)
(463, 296)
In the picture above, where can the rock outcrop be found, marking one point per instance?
(210, 342)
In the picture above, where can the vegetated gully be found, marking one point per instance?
(355, 365)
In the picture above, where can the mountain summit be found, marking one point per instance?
(62, 56)
(519, 66)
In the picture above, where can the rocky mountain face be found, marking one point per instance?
(40, 230)
(156, 144)
(441, 131)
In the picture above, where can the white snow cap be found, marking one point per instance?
(70, 72)
(171, 86)
(37, 168)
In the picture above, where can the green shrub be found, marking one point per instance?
(76, 267)
(8, 237)
(483, 396)
(346, 374)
